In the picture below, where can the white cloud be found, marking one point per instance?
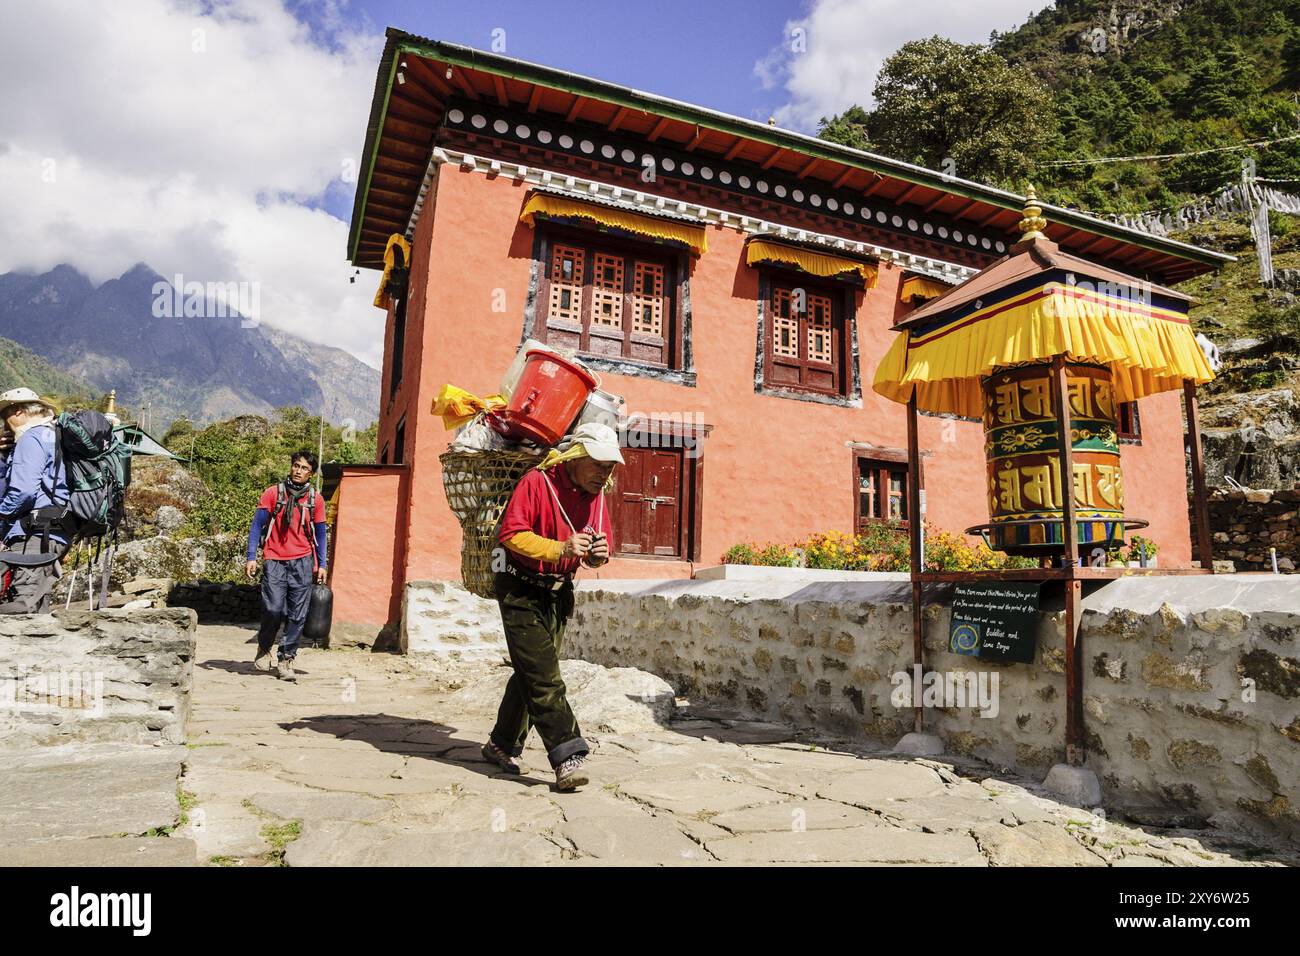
(188, 136)
(847, 41)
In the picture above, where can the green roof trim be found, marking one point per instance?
(400, 42)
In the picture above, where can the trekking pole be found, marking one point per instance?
(72, 583)
(103, 584)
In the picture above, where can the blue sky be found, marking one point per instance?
(701, 52)
(694, 50)
(728, 55)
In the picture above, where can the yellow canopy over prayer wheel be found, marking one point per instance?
(983, 350)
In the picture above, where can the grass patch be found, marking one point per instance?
(275, 832)
(279, 836)
(223, 861)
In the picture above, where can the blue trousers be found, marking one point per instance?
(286, 594)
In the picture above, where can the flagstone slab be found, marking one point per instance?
(792, 815)
(334, 843)
(99, 790)
(863, 844)
(875, 784)
(102, 851)
(1033, 844)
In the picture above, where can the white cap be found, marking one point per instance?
(21, 396)
(600, 440)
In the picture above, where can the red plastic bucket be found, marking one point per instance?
(550, 393)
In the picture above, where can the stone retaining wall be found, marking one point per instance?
(91, 677)
(1245, 524)
(227, 602)
(1174, 732)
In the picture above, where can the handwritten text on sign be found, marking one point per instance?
(997, 622)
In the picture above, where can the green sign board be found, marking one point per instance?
(995, 622)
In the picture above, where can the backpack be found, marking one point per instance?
(307, 513)
(98, 470)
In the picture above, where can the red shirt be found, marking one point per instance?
(532, 508)
(286, 545)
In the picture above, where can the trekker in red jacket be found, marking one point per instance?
(290, 526)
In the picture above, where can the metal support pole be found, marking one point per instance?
(1075, 745)
(1069, 528)
(914, 536)
(1200, 503)
(1074, 741)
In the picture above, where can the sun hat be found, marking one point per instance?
(600, 441)
(21, 396)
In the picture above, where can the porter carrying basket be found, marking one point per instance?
(478, 486)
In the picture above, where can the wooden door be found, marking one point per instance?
(648, 502)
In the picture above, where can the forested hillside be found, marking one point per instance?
(1090, 80)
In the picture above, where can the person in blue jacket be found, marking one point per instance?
(31, 482)
(289, 526)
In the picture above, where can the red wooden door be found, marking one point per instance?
(663, 471)
(648, 502)
(629, 514)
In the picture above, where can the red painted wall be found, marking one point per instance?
(1155, 478)
(366, 566)
(775, 468)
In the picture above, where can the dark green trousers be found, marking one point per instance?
(534, 620)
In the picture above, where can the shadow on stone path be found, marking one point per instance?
(421, 739)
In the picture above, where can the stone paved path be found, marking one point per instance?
(370, 760)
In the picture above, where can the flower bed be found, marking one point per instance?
(881, 547)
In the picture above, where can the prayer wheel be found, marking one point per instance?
(1022, 449)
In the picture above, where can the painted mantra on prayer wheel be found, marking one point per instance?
(1022, 448)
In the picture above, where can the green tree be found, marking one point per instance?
(1291, 57)
(848, 128)
(960, 108)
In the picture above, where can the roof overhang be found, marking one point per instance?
(405, 117)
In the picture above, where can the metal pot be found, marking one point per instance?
(604, 407)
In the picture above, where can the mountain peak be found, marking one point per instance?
(141, 270)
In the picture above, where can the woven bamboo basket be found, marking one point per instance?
(478, 485)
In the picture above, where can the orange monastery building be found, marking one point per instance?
(735, 282)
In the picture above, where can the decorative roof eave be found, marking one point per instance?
(400, 43)
(1027, 308)
(553, 204)
(588, 190)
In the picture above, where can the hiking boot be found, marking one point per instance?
(265, 660)
(570, 775)
(494, 754)
(284, 670)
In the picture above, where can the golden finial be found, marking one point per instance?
(112, 402)
(1033, 223)
(771, 121)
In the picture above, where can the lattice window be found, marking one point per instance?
(820, 348)
(881, 491)
(566, 284)
(607, 291)
(897, 495)
(648, 299)
(785, 325)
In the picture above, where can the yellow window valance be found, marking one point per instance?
(814, 263)
(562, 207)
(395, 241)
(919, 287)
(1149, 348)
